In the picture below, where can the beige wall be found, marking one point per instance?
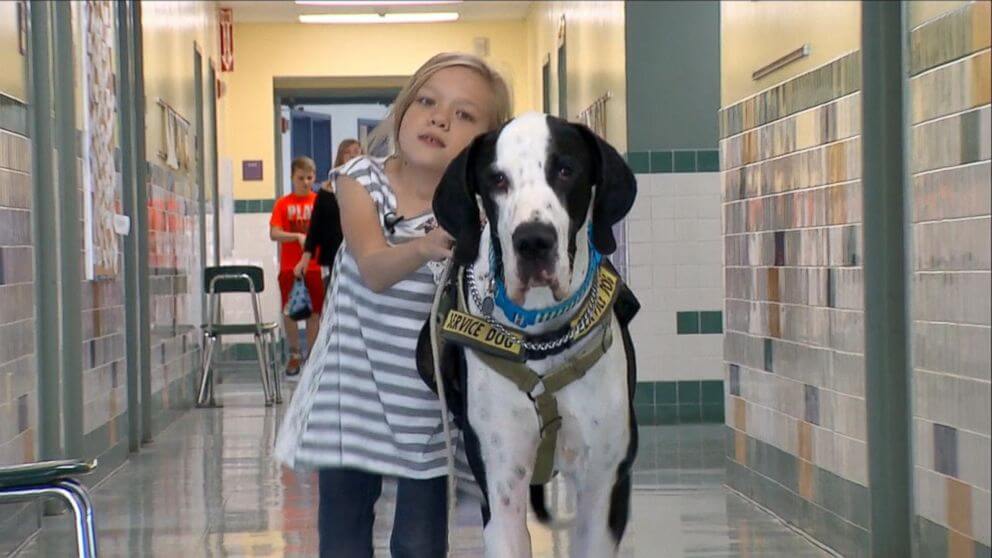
(170, 31)
(265, 51)
(752, 34)
(13, 78)
(596, 58)
(922, 11)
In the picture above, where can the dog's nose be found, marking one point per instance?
(534, 241)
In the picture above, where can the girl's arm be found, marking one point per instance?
(381, 265)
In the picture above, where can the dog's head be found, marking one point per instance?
(540, 179)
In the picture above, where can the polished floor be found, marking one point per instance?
(207, 486)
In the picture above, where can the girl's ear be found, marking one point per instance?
(455, 206)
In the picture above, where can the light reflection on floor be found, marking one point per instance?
(207, 486)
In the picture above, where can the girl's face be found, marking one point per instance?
(352, 151)
(449, 110)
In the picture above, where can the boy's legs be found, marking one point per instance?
(286, 280)
(315, 286)
(420, 526)
(346, 514)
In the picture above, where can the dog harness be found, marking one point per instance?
(506, 351)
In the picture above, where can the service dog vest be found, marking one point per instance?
(505, 350)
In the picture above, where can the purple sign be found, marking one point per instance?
(251, 170)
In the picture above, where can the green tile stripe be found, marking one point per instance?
(13, 115)
(837, 514)
(693, 322)
(674, 160)
(679, 402)
(952, 36)
(932, 540)
(254, 206)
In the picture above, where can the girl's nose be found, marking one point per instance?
(439, 121)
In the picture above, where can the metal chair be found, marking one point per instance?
(227, 279)
(55, 478)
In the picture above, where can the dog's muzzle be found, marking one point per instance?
(535, 243)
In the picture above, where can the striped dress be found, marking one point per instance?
(360, 402)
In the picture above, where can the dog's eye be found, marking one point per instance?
(500, 182)
(565, 173)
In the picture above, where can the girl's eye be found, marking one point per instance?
(465, 116)
(500, 182)
(426, 101)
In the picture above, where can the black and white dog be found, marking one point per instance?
(549, 193)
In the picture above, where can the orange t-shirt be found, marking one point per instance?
(292, 213)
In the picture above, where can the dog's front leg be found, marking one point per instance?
(505, 423)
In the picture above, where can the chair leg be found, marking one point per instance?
(85, 523)
(264, 369)
(205, 397)
(270, 353)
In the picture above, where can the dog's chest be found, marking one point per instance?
(594, 428)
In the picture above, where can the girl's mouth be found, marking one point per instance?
(431, 140)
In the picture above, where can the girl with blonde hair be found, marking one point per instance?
(361, 411)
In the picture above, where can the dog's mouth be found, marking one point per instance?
(537, 277)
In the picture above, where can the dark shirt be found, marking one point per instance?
(324, 236)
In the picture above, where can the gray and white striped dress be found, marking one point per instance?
(360, 402)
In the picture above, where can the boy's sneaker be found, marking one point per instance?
(293, 365)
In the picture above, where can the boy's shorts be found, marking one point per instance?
(315, 284)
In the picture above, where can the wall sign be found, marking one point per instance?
(226, 22)
(251, 170)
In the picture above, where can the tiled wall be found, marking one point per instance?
(793, 336)
(674, 263)
(18, 367)
(950, 115)
(104, 356)
(175, 286)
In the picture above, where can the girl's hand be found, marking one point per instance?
(302, 239)
(436, 245)
(302, 265)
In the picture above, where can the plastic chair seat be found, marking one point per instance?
(43, 472)
(238, 329)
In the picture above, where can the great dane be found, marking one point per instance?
(537, 362)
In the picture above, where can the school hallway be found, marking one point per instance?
(208, 486)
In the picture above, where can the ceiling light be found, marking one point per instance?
(432, 17)
(343, 3)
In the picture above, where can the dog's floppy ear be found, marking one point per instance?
(616, 188)
(455, 206)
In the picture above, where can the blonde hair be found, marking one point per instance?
(389, 128)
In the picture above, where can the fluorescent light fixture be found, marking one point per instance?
(428, 17)
(345, 3)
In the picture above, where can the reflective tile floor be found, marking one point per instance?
(207, 486)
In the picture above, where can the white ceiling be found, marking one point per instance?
(287, 10)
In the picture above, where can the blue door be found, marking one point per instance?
(310, 135)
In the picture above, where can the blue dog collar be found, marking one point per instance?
(522, 317)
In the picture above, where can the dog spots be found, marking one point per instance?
(595, 423)
(505, 500)
(496, 441)
(520, 472)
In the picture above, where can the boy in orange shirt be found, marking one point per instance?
(288, 227)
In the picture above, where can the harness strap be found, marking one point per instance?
(542, 389)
